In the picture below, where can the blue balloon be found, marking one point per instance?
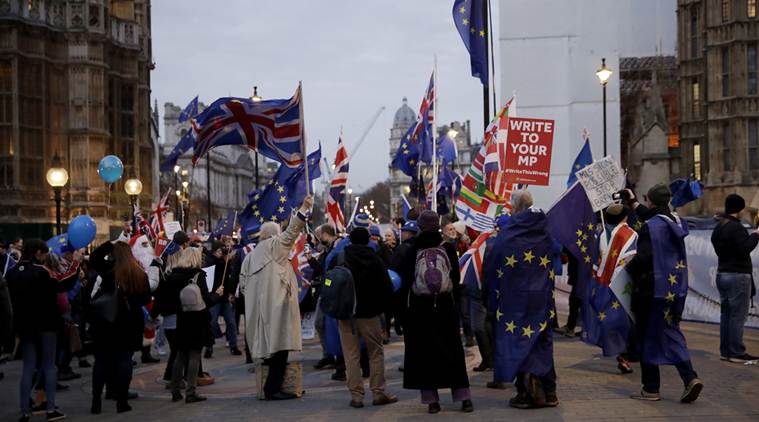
(110, 168)
(396, 279)
(82, 231)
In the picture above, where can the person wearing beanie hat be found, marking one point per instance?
(373, 290)
(428, 221)
(361, 220)
(434, 356)
(733, 245)
(181, 239)
(660, 265)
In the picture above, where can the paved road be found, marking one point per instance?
(590, 388)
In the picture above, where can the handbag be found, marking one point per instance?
(75, 341)
(105, 305)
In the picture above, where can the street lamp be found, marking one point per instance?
(57, 177)
(133, 188)
(256, 99)
(452, 133)
(604, 73)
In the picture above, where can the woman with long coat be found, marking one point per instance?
(272, 314)
(434, 356)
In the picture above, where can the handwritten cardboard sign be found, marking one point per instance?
(601, 180)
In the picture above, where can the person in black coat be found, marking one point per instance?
(115, 342)
(37, 319)
(193, 324)
(733, 245)
(227, 263)
(434, 357)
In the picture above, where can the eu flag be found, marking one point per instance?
(59, 244)
(446, 150)
(665, 343)
(184, 145)
(407, 156)
(284, 192)
(584, 158)
(684, 191)
(520, 281)
(190, 110)
(469, 16)
(226, 225)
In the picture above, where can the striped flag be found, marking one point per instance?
(479, 202)
(158, 215)
(335, 214)
(299, 262)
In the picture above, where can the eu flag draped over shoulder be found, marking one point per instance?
(520, 281)
(665, 343)
(469, 18)
(271, 127)
(284, 192)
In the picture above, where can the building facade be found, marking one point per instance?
(719, 101)
(550, 51)
(398, 181)
(233, 175)
(74, 82)
(649, 133)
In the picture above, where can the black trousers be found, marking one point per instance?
(575, 303)
(277, 364)
(115, 369)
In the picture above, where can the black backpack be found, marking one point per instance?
(337, 297)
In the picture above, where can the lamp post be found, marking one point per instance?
(604, 73)
(133, 188)
(57, 177)
(177, 168)
(256, 99)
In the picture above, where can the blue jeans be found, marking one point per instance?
(734, 292)
(38, 348)
(227, 310)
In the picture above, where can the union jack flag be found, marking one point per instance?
(615, 253)
(274, 128)
(471, 262)
(143, 226)
(424, 123)
(300, 265)
(335, 213)
(159, 213)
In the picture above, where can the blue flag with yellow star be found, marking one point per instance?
(469, 18)
(407, 156)
(583, 159)
(284, 192)
(665, 343)
(520, 280)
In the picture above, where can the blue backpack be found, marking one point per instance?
(337, 297)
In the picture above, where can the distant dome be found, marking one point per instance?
(405, 116)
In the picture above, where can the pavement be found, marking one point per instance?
(589, 388)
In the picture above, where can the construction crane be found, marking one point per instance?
(363, 136)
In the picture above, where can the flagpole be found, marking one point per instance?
(434, 138)
(486, 87)
(491, 79)
(208, 187)
(303, 137)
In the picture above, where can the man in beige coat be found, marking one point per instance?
(272, 316)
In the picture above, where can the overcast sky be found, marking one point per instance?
(353, 57)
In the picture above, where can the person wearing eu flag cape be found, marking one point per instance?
(520, 279)
(659, 273)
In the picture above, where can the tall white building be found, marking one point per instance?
(549, 52)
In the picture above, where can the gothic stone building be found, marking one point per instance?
(74, 81)
(719, 97)
(650, 137)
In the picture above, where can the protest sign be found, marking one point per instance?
(601, 180)
(171, 228)
(210, 273)
(528, 151)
